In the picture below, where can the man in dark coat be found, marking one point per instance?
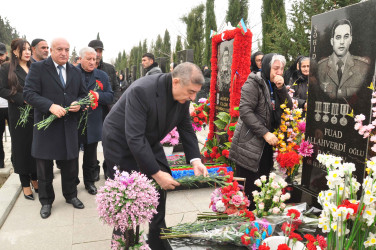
(147, 111)
(92, 134)
(51, 85)
(150, 65)
(115, 86)
(39, 49)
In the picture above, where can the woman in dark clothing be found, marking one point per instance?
(12, 81)
(256, 60)
(300, 86)
(260, 114)
(292, 74)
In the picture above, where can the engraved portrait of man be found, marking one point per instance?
(224, 76)
(341, 75)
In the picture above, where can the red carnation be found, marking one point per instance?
(206, 154)
(289, 159)
(248, 214)
(100, 85)
(295, 236)
(195, 120)
(322, 242)
(252, 233)
(212, 155)
(311, 246)
(264, 247)
(283, 247)
(215, 149)
(225, 153)
(218, 155)
(310, 237)
(246, 240)
(293, 213)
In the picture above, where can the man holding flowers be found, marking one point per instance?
(50, 86)
(150, 108)
(91, 130)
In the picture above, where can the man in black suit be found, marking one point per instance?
(147, 111)
(51, 85)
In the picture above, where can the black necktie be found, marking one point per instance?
(339, 71)
(61, 75)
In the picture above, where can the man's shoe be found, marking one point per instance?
(45, 211)
(96, 176)
(91, 189)
(76, 203)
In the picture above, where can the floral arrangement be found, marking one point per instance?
(229, 199)
(90, 100)
(183, 171)
(271, 198)
(255, 233)
(171, 139)
(200, 114)
(125, 203)
(348, 220)
(292, 146)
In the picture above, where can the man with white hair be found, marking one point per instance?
(50, 86)
(92, 134)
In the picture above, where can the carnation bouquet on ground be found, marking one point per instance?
(292, 146)
(126, 202)
(90, 100)
(270, 200)
(171, 139)
(200, 113)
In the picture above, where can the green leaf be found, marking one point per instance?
(225, 117)
(221, 159)
(220, 133)
(220, 124)
(228, 144)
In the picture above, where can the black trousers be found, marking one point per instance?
(3, 116)
(26, 178)
(265, 166)
(89, 163)
(69, 172)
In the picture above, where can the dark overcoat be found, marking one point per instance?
(42, 89)
(22, 137)
(95, 117)
(133, 129)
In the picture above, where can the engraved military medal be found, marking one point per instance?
(344, 110)
(335, 108)
(326, 111)
(318, 108)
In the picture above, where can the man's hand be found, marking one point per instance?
(199, 168)
(74, 107)
(279, 81)
(165, 180)
(57, 110)
(271, 138)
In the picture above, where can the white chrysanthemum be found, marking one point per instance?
(220, 206)
(369, 215)
(371, 240)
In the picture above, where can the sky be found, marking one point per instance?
(121, 24)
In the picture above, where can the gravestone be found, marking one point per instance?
(185, 56)
(134, 73)
(339, 91)
(162, 63)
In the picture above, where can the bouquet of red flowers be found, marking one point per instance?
(199, 115)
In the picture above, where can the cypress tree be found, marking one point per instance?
(158, 46)
(195, 30)
(210, 24)
(167, 49)
(237, 9)
(178, 47)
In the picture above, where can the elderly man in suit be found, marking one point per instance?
(341, 74)
(52, 85)
(150, 108)
(92, 134)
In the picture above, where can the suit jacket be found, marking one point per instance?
(42, 89)
(353, 76)
(137, 123)
(95, 116)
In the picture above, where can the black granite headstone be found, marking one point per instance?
(342, 66)
(185, 56)
(162, 63)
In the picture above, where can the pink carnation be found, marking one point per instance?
(305, 149)
(302, 126)
(237, 200)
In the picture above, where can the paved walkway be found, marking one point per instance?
(69, 228)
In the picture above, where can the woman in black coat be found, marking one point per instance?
(300, 86)
(12, 81)
(256, 60)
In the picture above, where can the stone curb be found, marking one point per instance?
(9, 193)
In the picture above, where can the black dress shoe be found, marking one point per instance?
(29, 196)
(45, 211)
(91, 189)
(76, 203)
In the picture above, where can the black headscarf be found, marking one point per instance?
(265, 66)
(254, 67)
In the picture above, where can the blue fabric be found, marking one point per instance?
(61, 75)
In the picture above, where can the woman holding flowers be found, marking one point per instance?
(12, 81)
(260, 113)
